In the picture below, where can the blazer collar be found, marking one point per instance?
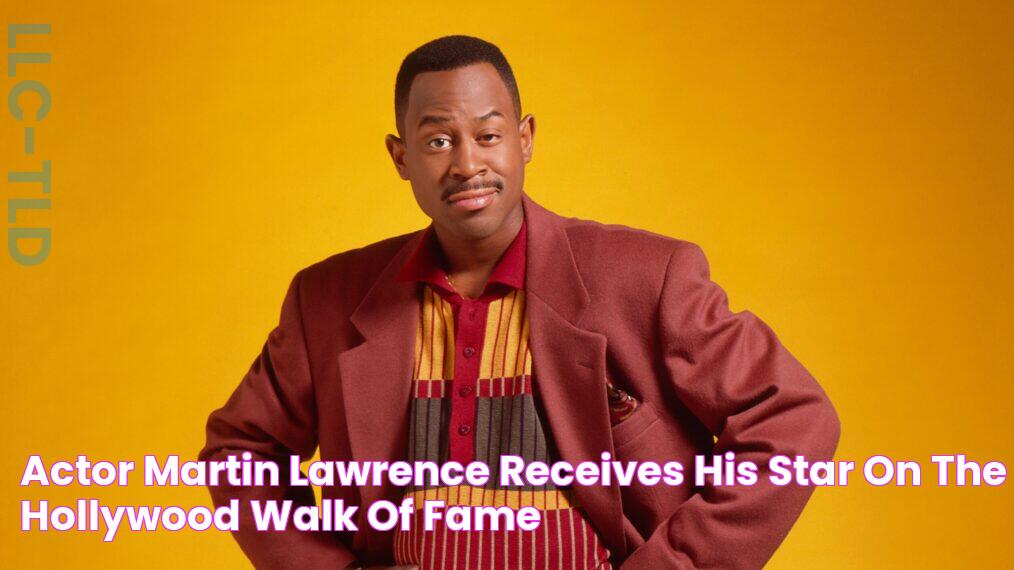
(552, 273)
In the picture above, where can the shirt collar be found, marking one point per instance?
(426, 263)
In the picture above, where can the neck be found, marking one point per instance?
(474, 259)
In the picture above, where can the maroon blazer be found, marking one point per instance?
(606, 303)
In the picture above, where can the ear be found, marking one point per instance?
(396, 148)
(526, 129)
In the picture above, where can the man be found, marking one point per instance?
(505, 329)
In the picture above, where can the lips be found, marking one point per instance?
(472, 200)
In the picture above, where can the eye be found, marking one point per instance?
(489, 137)
(434, 143)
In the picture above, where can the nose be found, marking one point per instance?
(467, 161)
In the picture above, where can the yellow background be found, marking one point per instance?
(847, 169)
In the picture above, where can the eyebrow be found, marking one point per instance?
(490, 115)
(438, 119)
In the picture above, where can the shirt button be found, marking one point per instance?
(469, 352)
(471, 313)
(465, 390)
(464, 429)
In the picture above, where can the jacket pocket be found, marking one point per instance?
(639, 422)
(637, 439)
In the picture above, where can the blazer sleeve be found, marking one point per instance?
(730, 370)
(272, 414)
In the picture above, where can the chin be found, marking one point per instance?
(477, 227)
(477, 231)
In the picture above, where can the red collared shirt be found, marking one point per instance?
(470, 316)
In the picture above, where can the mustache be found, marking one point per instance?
(475, 185)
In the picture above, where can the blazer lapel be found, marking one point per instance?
(376, 375)
(569, 364)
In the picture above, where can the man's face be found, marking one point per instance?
(464, 150)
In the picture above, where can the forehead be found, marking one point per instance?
(475, 88)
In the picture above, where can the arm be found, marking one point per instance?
(730, 370)
(272, 414)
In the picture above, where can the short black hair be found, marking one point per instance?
(447, 53)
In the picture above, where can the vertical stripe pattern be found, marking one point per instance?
(502, 420)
